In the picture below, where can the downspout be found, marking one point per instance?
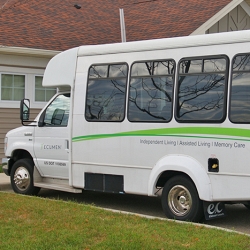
(122, 23)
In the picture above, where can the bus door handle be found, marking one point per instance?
(66, 144)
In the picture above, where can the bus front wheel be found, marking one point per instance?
(180, 200)
(21, 177)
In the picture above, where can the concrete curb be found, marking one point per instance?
(176, 221)
(4, 182)
(4, 179)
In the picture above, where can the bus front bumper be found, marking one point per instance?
(5, 165)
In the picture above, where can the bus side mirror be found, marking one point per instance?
(25, 110)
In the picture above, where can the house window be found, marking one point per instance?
(42, 94)
(12, 87)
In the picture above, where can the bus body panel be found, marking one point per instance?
(64, 64)
(230, 187)
(182, 164)
(135, 153)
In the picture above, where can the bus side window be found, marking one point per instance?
(240, 90)
(202, 89)
(150, 91)
(106, 92)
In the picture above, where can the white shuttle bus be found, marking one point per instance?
(167, 117)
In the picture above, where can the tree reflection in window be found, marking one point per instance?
(106, 92)
(150, 93)
(240, 91)
(202, 90)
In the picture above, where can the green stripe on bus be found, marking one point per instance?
(193, 132)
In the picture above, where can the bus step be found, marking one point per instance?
(59, 187)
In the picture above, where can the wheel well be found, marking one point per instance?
(17, 155)
(166, 175)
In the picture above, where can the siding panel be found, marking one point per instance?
(9, 119)
(237, 19)
(223, 24)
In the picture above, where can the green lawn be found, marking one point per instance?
(38, 223)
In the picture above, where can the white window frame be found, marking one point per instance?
(12, 87)
(29, 74)
(34, 93)
(11, 103)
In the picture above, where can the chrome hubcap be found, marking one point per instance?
(22, 178)
(179, 200)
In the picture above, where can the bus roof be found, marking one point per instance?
(60, 71)
(166, 43)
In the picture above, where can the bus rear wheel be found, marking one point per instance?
(21, 177)
(180, 200)
(247, 205)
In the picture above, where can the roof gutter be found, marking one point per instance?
(28, 51)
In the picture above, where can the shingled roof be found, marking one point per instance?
(58, 25)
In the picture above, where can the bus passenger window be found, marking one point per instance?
(240, 90)
(150, 91)
(202, 85)
(106, 92)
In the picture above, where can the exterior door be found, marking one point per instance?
(51, 139)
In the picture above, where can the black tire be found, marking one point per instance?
(247, 206)
(180, 200)
(21, 177)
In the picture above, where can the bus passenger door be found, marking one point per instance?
(51, 139)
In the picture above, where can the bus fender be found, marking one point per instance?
(182, 164)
